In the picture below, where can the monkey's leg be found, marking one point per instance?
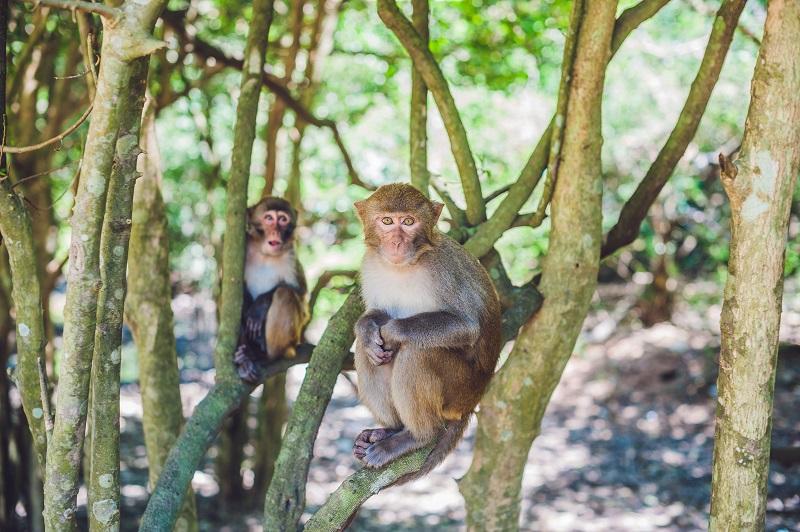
(417, 395)
(284, 323)
(374, 390)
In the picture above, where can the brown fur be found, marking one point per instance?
(275, 310)
(285, 320)
(442, 334)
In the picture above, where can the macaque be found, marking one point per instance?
(429, 340)
(274, 309)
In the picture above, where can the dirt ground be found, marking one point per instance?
(626, 443)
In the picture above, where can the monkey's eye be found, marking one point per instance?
(408, 221)
(283, 219)
(386, 220)
(268, 217)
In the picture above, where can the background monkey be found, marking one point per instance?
(274, 309)
(429, 340)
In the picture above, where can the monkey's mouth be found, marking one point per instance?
(273, 243)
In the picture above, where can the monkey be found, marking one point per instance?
(274, 308)
(428, 342)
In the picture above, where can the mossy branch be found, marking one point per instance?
(507, 212)
(418, 113)
(427, 67)
(635, 209)
(104, 482)
(17, 233)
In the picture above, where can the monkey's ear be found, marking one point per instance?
(361, 208)
(437, 210)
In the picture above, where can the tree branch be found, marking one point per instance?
(175, 20)
(111, 13)
(506, 214)
(323, 281)
(418, 112)
(427, 67)
(17, 234)
(635, 209)
(57, 138)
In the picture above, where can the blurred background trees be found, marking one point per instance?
(339, 113)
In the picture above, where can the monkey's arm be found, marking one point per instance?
(430, 330)
(255, 318)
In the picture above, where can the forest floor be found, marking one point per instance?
(626, 443)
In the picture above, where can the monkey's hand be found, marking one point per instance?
(393, 336)
(245, 366)
(374, 344)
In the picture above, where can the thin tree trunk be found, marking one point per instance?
(278, 109)
(760, 188)
(418, 119)
(512, 409)
(128, 39)
(149, 314)
(272, 415)
(230, 455)
(103, 484)
(635, 209)
(286, 495)
(427, 67)
(162, 510)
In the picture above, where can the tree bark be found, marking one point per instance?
(418, 119)
(759, 188)
(427, 67)
(243, 136)
(512, 409)
(487, 234)
(278, 109)
(149, 314)
(162, 510)
(17, 232)
(103, 484)
(286, 495)
(126, 40)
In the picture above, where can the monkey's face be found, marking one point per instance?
(272, 231)
(398, 233)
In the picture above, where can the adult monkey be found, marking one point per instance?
(274, 309)
(429, 340)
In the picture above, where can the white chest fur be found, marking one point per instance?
(264, 274)
(400, 291)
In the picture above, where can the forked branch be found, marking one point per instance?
(427, 67)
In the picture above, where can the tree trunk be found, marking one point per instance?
(514, 404)
(286, 495)
(760, 188)
(162, 510)
(272, 414)
(103, 484)
(149, 314)
(126, 40)
(418, 119)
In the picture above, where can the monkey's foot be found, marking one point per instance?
(367, 438)
(388, 449)
(245, 366)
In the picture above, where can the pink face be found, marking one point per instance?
(276, 226)
(397, 232)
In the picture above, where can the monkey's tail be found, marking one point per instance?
(453, 431)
